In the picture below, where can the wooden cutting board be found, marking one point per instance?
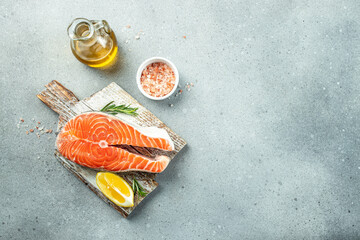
(67, 105)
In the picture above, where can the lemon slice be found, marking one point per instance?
(115, 188)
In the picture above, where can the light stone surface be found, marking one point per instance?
(272, 122)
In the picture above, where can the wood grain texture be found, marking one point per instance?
(67, 105)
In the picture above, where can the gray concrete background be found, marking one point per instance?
(272, 123)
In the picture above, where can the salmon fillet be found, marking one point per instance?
(92, 139)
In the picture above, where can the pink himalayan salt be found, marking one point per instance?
(157, 79)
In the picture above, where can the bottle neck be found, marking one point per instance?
(82, 30)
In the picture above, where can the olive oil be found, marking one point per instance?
(93, 42)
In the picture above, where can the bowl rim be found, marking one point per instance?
(152, 60)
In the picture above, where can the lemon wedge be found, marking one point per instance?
(115, 188)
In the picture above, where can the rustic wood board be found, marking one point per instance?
(67, 105)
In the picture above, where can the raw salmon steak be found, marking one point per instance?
(93, 140)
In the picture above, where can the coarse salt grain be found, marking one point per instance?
(157, 79)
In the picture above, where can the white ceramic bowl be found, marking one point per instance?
(153, 60)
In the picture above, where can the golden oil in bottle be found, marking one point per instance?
(93, 42)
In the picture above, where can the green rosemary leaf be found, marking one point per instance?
(133, 186)
(107, 105)
(138, 189)
(113, 109)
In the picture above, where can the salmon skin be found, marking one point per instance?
(90, 139)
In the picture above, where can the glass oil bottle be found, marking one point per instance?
(93, 42)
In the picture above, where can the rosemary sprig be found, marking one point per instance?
(138, 189)
(113, 109)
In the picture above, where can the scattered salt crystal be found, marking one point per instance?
(18, 125)
(38, 157)
(33, 119)
(188, 86)
(41, 128)
(171, 105)
(137, 36)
